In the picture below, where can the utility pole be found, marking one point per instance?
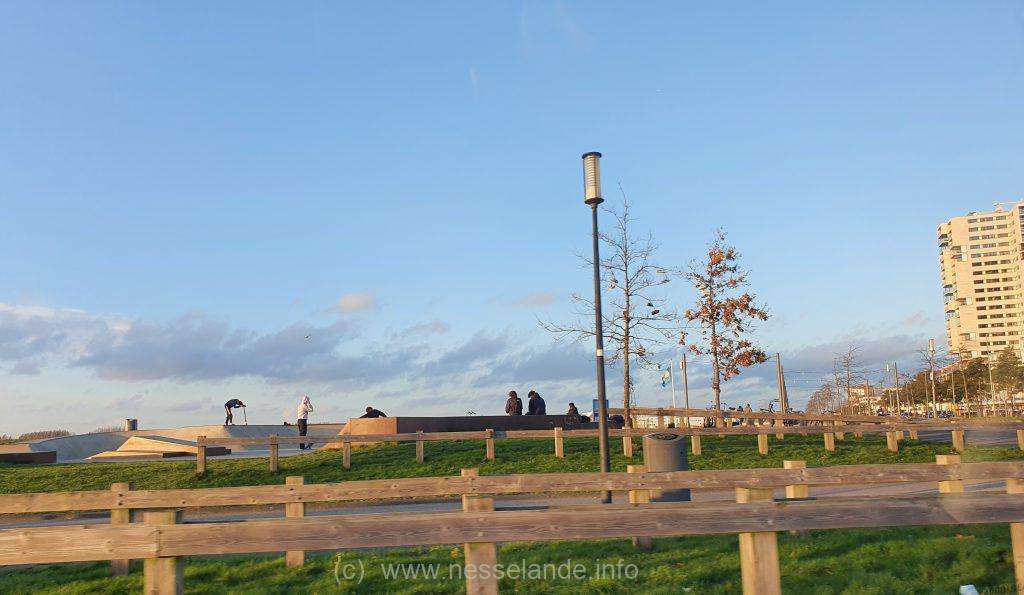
(782, 383)
(931, 376)
(686, 387)
(896, 384)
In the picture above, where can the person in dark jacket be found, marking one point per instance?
(371, 413)
(514, 405)
(232, 404)
(572, 417)
(535, 405)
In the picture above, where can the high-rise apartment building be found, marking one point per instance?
(980, 257)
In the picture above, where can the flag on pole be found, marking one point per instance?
(666, 377)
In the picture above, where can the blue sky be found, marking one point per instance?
(188, 190)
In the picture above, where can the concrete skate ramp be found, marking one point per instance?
(82, 446)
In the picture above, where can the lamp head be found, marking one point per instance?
(592, 178)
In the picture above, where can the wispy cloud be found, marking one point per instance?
(356, 302)
(433, 327)
(536, 300)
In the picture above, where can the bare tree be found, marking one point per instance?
(852, 372)
(636, 319)
(724, 318)
(821, 399)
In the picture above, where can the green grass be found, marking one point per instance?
(446, 458)
(925, 559)
(918, 560)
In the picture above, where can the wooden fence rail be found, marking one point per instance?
(162, 540)
(893, 432)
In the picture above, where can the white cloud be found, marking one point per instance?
(536, 300)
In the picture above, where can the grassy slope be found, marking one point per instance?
(932, 559)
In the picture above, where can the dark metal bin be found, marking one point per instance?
(666, 452)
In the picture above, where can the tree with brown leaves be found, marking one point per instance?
(725, 319)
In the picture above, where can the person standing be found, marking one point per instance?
(232, 404)
(302, 415)
(514, 405)
(535, 406)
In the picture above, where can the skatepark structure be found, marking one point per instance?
(149, 444)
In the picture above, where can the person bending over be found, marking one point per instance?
(371, 413)
(232, 404)
(536, 404)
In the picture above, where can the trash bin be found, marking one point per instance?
(666, 452)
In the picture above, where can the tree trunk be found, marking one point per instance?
(627, 398)
(716, 375)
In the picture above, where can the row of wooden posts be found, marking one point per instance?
(829, 436)
(753, 489)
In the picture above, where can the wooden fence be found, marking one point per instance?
(895, 432)
(162, 539)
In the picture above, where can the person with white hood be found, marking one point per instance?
(303, 416)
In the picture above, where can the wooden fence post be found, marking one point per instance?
(913, 434)
(796, 490)
(661, 419)
(294, 510)
(840, 435)
(762, 444)
(899, 436)
(890, 441)
(951, 486)
(559, 447)
(779, 425)
(627, 447)
(346, 454)
(490, 445)
(419, 446)
(958, 440)
(759, 552)
(200, 455)
(162, 576)
(120, 516)
(695, 445)
(481, 558)
(639, 497)
(275, 454)
(830, 441)
(1020, 439)
(1016, 486)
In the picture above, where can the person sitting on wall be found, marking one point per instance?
(536, 404)
(372, 413)
(232, 404)
(572, 417)
(514, 405)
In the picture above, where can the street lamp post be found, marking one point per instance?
(592, 197)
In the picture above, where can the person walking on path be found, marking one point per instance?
(232, 404)
(514, 405)
(535, 405)
(302, 416)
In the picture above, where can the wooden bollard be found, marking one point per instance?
(840, 435)
(950, 486)
(891, 443)
(830, 441)
(913, 434)
(796, 490)
(200, 455)
(759, 551)
(1016, 486)
(346, 454)
(120, 516)
(958, 440)
(559, 447)
(275, 454)
(695, 444)
(162, 575)
(481, 558)
(762, 444)
(419, 446)
(627, 447)
(490, 445)
(779, 425)
(294, 510)
(899, 436)
(1020, 439)
(639, 497)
